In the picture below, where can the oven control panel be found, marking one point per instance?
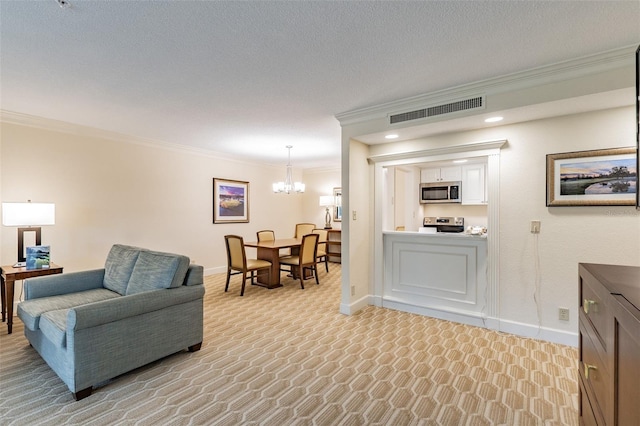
(431, 221)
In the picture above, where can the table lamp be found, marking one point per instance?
(326, 201)
(28, 217)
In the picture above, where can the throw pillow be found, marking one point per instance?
(155, 270)
(118, 267)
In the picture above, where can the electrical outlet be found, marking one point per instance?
(535, 226)
(353, 290)
(563, 314)
(353, 213)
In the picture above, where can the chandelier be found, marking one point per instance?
(288, 186)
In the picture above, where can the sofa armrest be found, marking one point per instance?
(106, 311)
(54, 285)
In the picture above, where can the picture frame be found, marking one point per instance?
(337, 205)
(638, 121)
(230, 201)
(604, 177)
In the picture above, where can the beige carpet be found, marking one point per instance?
(287, 357)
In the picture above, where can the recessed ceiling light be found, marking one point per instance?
(392, 136)
(493, 119)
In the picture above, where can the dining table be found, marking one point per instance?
(270, 250)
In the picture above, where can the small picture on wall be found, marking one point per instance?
(337, 209)
(607, 177)
(230, 201)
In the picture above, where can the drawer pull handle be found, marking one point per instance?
(588, 367)
(586, 305)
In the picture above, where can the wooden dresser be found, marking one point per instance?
(609, 367)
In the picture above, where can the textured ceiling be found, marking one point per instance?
(248, 78)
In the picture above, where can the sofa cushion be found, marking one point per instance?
(119, 266)
(30, 311)
(53, 325)
(195, 275)
(155, 270)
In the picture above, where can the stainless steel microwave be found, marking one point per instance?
(440, 192)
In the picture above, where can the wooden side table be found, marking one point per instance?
(7, 283)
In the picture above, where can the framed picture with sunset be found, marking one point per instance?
(230, 201)
(606, 177)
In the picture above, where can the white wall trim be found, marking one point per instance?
(492, 323)
(478, 148)
(540, 333)
(491, 149)
(354, 306)
(493, 237)
(553, 73)
(469, 318)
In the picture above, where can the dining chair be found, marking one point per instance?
(306, 259)
(321, 254)
(266, 235)
(269, 235)
(237, 261)
(303, 229)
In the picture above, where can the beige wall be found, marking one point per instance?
(569, 235)
(114, 191)
(319, 182)
(356, 281)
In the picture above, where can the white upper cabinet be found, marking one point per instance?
(441, 174)
(474, 184)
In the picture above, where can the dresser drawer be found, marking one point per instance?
(587, 416)
(627, 362)
(595, 310)
(593, 372)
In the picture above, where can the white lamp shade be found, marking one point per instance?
(28, 214)
(326, 200)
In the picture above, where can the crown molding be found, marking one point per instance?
(11, 117)
(562, 71)
(488, 147)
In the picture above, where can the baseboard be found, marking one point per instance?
(542, 333)
(470, 318)
(216, 270)
(352, 308)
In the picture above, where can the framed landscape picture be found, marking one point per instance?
(230, 201)
(607, 177)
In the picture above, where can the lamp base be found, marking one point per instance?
(327, 219)
(21, 257)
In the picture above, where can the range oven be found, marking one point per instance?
(440, 192)
(443, 224)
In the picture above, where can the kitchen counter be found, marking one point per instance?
(437, 234)
(436, 274)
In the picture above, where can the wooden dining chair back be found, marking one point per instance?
(321, 254)
(303, 229)
(305, 260)
(266, 235)
(237, 262)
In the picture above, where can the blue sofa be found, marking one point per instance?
(92, 326)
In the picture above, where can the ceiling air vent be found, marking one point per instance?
(463, 105)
